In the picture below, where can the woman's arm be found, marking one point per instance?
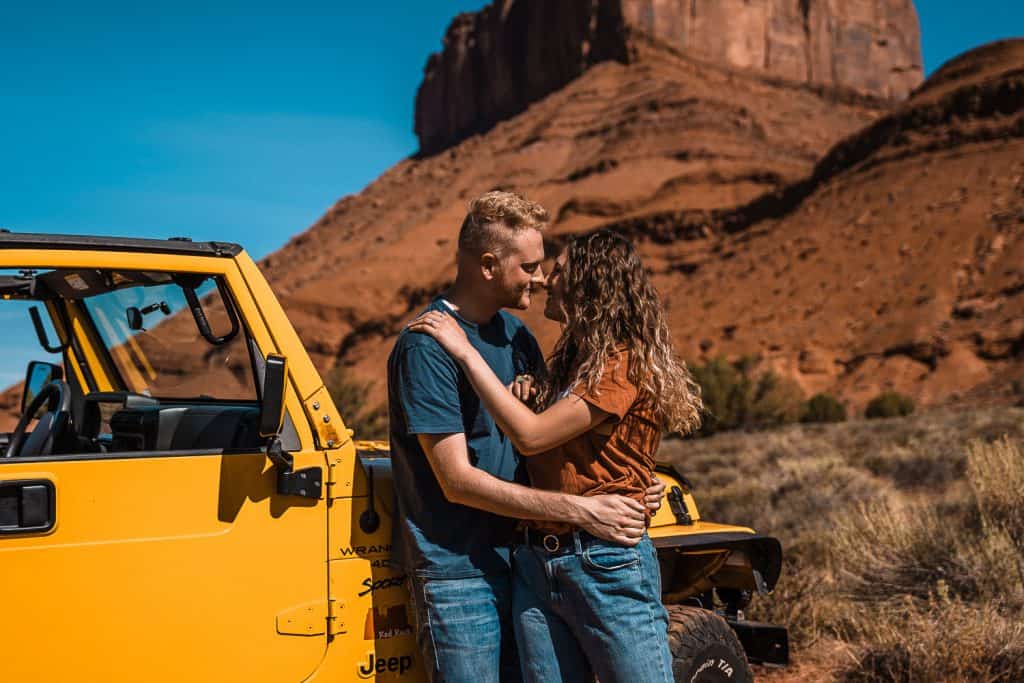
(531, 433)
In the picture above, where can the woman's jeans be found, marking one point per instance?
(463, 629)
(592, 606)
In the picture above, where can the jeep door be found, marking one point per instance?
(160, 555)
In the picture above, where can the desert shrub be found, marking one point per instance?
(790, 499)
(885, 551)
(349, 395)
(724, 389)
(941, 577)
(889, 404)
(735, 399)
(995, 472)
(823, 408)
(943, 639)
(775, 401)
(917, 467)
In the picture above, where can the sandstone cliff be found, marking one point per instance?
(852, 247)
(513, 52)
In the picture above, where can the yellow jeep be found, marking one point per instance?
(180, 499)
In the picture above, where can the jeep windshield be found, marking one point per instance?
(167, 335)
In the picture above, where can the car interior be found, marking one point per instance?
(186, 374)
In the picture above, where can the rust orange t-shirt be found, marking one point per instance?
(617, 456)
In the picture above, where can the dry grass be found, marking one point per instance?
(943, 640)
(904, 538)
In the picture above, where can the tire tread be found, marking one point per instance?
(692, 629)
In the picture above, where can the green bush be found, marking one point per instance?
(776, 401)
(823, 408)
(735, 399)
(724, 390)
(889, 404)
(349, 395)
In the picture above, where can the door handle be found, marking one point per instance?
(27, 506)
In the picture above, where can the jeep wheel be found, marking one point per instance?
(704, 648)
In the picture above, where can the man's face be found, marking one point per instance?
(556, 291)
(519, 273)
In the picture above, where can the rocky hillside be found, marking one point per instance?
(645, 144)
(899, 263)
(852, 243)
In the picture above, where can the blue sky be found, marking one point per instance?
(246, 121)
(242, 121)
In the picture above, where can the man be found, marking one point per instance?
(458, 481)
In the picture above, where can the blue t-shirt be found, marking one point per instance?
(428, 393)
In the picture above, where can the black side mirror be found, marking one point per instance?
(306, 482)
(134, 318)
(272, 406)
(37, 376)
(135, 315)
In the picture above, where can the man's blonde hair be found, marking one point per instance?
(494, 217)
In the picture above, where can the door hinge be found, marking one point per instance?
(306, 483)
(307, 619)
(335, 618)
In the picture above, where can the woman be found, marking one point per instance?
(614, 384)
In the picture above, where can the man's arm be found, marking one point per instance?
(611, 517)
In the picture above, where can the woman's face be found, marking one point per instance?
(556, 291)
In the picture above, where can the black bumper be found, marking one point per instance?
(763, 643)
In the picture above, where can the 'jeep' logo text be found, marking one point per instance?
(379, 665)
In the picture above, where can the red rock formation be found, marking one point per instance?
(870, 46)
(513, 52)
(898, 264)
(10, 407)
(509, 54)
(664, 133)
(893, 262)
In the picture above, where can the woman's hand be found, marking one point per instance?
(446, 330)
(652, 497)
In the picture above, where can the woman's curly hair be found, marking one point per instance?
(610, 305)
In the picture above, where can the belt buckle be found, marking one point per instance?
(555, 543)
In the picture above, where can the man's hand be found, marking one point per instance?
(614, 518)
(653, 495)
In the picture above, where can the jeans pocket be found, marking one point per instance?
(607, 557)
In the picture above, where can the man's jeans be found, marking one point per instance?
(593, 603)
(463, 629)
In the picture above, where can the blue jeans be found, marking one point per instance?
(593, 606)
(463, 629)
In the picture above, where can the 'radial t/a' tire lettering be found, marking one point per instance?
(704, 648)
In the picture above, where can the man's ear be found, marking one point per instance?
(489, 264)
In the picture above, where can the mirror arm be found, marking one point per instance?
(304, 483)
(282, 459)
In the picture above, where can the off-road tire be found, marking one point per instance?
(704, 648)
